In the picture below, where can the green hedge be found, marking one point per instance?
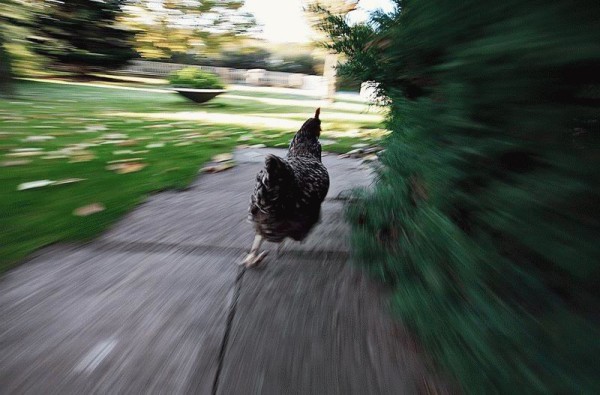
(485, 219)
(193, 77)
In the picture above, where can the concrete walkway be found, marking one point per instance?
(159, 305)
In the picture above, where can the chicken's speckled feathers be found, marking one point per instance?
(288, 192)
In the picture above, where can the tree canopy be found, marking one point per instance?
(82, 35)
(164, 28)
(12, 17)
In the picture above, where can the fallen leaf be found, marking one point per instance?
(127, 143)
(126, 167)
(327, 142)
(34, 184)
(89, 209)
(218, 168)
(222, 157)
(16, 162)
(355, 153)
(25, 154)
(95, 128)
(54, 157)
(82, 157)
(114, 136)
(113, 167)
(68, 181)
(125, 160)
(167, 125)
(131, 167)
(27, 149)
(78, 151)
(112, 142)
(217, 133)
(30, 139)
(83, 146)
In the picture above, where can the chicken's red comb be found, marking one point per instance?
(317, 113)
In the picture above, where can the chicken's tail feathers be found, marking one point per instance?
(274, 164)
(271, 181)
(277, 171)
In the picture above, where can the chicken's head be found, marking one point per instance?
(312, 126)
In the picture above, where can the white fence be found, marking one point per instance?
(257, 77)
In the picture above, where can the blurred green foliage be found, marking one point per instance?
(346, 83)
(193, 77)
(485, 218)
(300, 63)
(81, 35)
(244, 58)
(255, 57)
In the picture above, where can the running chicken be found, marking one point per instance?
(288, 193)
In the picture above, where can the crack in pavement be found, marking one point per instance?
(230, 316)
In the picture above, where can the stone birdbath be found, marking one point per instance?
(195, 84)
(199, 95)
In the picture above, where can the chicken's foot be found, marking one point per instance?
(253, 259)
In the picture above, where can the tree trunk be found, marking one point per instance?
(6, 77)
(330, 72)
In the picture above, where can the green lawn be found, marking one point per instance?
(87, 127)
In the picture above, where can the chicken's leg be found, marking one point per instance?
(252, 259)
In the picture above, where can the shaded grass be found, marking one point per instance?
(34, 218)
